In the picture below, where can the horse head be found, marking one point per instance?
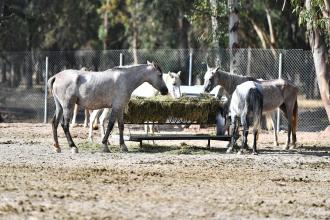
(210, 78)
(173, 83)
(155, 78)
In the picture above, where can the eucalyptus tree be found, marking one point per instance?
(315, 14)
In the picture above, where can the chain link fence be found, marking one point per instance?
(22, 75)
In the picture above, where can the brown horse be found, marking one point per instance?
(284, 96)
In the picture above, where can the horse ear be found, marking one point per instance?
(207, 65)
(217, 68)
(148, 62)
(179, 73)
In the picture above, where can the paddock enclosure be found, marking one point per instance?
(171, 179)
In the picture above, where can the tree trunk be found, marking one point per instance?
(135, 42)
(3, 72)
(233, 35)
(183, 26)
(2, 7)
(105, 26)
(215, 24)
(271, 30)
(215, 29)
(321, 63)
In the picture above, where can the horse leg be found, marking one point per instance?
(275, 129)
(245, 123)
(75, 112)
(86, 118)
(289, 114)
(233, 129)
(121, 132)
(65, 126)
(55, 121)
(104, 116)
(294, 124)
(112, 119)
(255, 134)
(91, 120)
(287, 146)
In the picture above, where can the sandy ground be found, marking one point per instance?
(173, 180)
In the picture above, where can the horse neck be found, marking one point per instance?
(230, 81)
(136, 78)
(226, 81)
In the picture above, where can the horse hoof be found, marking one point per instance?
(74, 150)
(275, 144)
(229, 150)
(105, 149)
(57, 150)
(255, 153)
(286, 147)
(124, 148)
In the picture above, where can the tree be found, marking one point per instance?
(315, 14)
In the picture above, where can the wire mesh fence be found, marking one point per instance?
(22, 75)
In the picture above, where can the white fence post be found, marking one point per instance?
(190, 68)
(121, 59)
(46, 91)
(279, 76)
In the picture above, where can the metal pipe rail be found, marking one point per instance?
(140, 138)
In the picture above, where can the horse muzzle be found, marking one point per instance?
(207, 88)
(164, 91)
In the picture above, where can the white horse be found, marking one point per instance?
(172, 81)
(96, 90)
(246, 104)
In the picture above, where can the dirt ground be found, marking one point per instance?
(172, 180)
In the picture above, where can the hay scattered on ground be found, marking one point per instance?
(201, 109)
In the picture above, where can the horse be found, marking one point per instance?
(86, 111)
(172, 81)
(286, 94)
(95, 90)
(246, 104)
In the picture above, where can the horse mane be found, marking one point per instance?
(231, 80)
(128, 66)
(157, 67)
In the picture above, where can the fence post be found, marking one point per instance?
(279, 76)
(46, 91)
(120, 59)
(190, 67)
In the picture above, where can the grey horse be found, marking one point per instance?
(284, 95)
(95, 90)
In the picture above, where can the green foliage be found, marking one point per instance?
(71, 25)
(314, 17)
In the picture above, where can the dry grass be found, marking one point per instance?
(310, 103)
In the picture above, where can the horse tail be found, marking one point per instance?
(254, 104)
(50, 83)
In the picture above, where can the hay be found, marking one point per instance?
(200, 110)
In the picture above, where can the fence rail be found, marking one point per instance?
(23, 75)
